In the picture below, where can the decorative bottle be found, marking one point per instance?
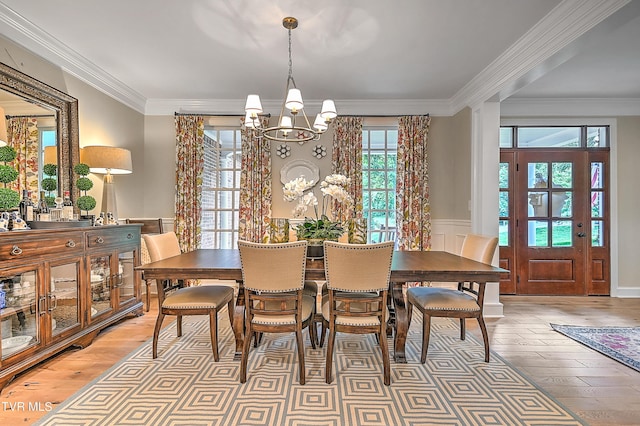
(67, 207)
(43, 208)
(26, 206)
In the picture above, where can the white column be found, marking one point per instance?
(485, 161)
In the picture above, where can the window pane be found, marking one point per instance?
(597, 137)
(538, 232)
(506, 137)
(561, 235)
(562, 175)
(596, 175)
(504, 175)
(504, 204)
(561, 205)
(597, 206)
(548, 137)
(538, 204)
(597, 233)
(503, 232)
(538, 175)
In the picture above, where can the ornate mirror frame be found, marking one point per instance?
(65, 108)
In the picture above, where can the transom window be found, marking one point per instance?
(554, 137)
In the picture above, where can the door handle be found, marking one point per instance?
(581, 234)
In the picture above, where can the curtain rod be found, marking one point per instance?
(29, 116)
(203, 114)
(269, 115)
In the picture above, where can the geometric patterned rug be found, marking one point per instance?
(184, 386)
(619, 343)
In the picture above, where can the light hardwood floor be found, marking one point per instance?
(600, 390)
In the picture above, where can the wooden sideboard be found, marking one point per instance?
(60, 287)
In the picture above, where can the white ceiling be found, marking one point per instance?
(369, 55)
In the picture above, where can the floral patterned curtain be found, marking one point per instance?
(22, 133)
(255, 186)
(347, 161)
(189, 170)
(413, 212)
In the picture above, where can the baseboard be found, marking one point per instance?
(493, 310)
(626, 292)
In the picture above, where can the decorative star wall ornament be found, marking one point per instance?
(319, 151)
(283, 150)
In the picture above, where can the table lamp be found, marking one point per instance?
(107, 160)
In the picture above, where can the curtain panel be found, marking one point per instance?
(189, 170)
(413, 212)
(22, 135)
(347, 161)
(255, 186)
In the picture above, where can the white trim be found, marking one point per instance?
(518, 107)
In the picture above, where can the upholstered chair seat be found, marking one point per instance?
(442, 299)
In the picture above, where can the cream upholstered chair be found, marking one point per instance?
(173, 299)
(149, 226)
(273, 277)
(357, 284)
(465, 302)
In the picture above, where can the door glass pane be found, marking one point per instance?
(548, 137)
(506, 137)
(538, 204)
(538, 175)
(64, 291)
(19, 312)
(504, 203)
(503, 232)
(562, 175)
(597, 206)
(561, 235)
(596, 175)
(597, 233)
(597, 137)
(100, 284)
(538, 232)
(125, 276)
(504, 175)
(561, 205)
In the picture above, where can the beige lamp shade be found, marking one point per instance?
(3, 128)
(106, 159)
(50, 155)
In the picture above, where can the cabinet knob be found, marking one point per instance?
(71, 244)
(16, 251)
(99, 240)
(129, 236)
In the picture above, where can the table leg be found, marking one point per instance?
(401, 323)
(238, 322)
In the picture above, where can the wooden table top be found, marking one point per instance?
(406, 266)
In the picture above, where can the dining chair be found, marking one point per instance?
(464, 302)
(149, 226)
(273, 276)
(175, 299)
(357, 284)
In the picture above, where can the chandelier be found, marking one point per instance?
(293, 124)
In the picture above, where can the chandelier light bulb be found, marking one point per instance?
(249, 121)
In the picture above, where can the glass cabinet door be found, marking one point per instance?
(100, 268)
(126, 280)
(20, 308)
(64, 303)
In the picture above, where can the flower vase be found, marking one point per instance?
(278, 230)
(315, 248)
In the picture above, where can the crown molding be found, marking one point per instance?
(387, 107)
(562, 26)
(43, 44)
(529, 107)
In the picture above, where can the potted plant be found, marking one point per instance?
(9, 198)
(50, 183)
(84, 202)
(321, 227)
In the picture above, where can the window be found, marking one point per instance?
(379, 161)
(554, 137)
(221, 187)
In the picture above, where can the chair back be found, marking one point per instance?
(149, 226)
(358, 267)
(479, 247)
(273, 268)
(162, 246)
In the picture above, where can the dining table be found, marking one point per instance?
(406, 267)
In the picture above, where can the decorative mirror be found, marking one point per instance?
(42, 107)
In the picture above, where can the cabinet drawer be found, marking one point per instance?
(113, 236)
(31, 248)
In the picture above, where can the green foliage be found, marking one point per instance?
(7, 153)
(50, 169)
(8, 174)
(84, 184)
(9, 199)
(322, 228)
(81, 169)
(86, 202)
(50, 200)
(49, 184)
